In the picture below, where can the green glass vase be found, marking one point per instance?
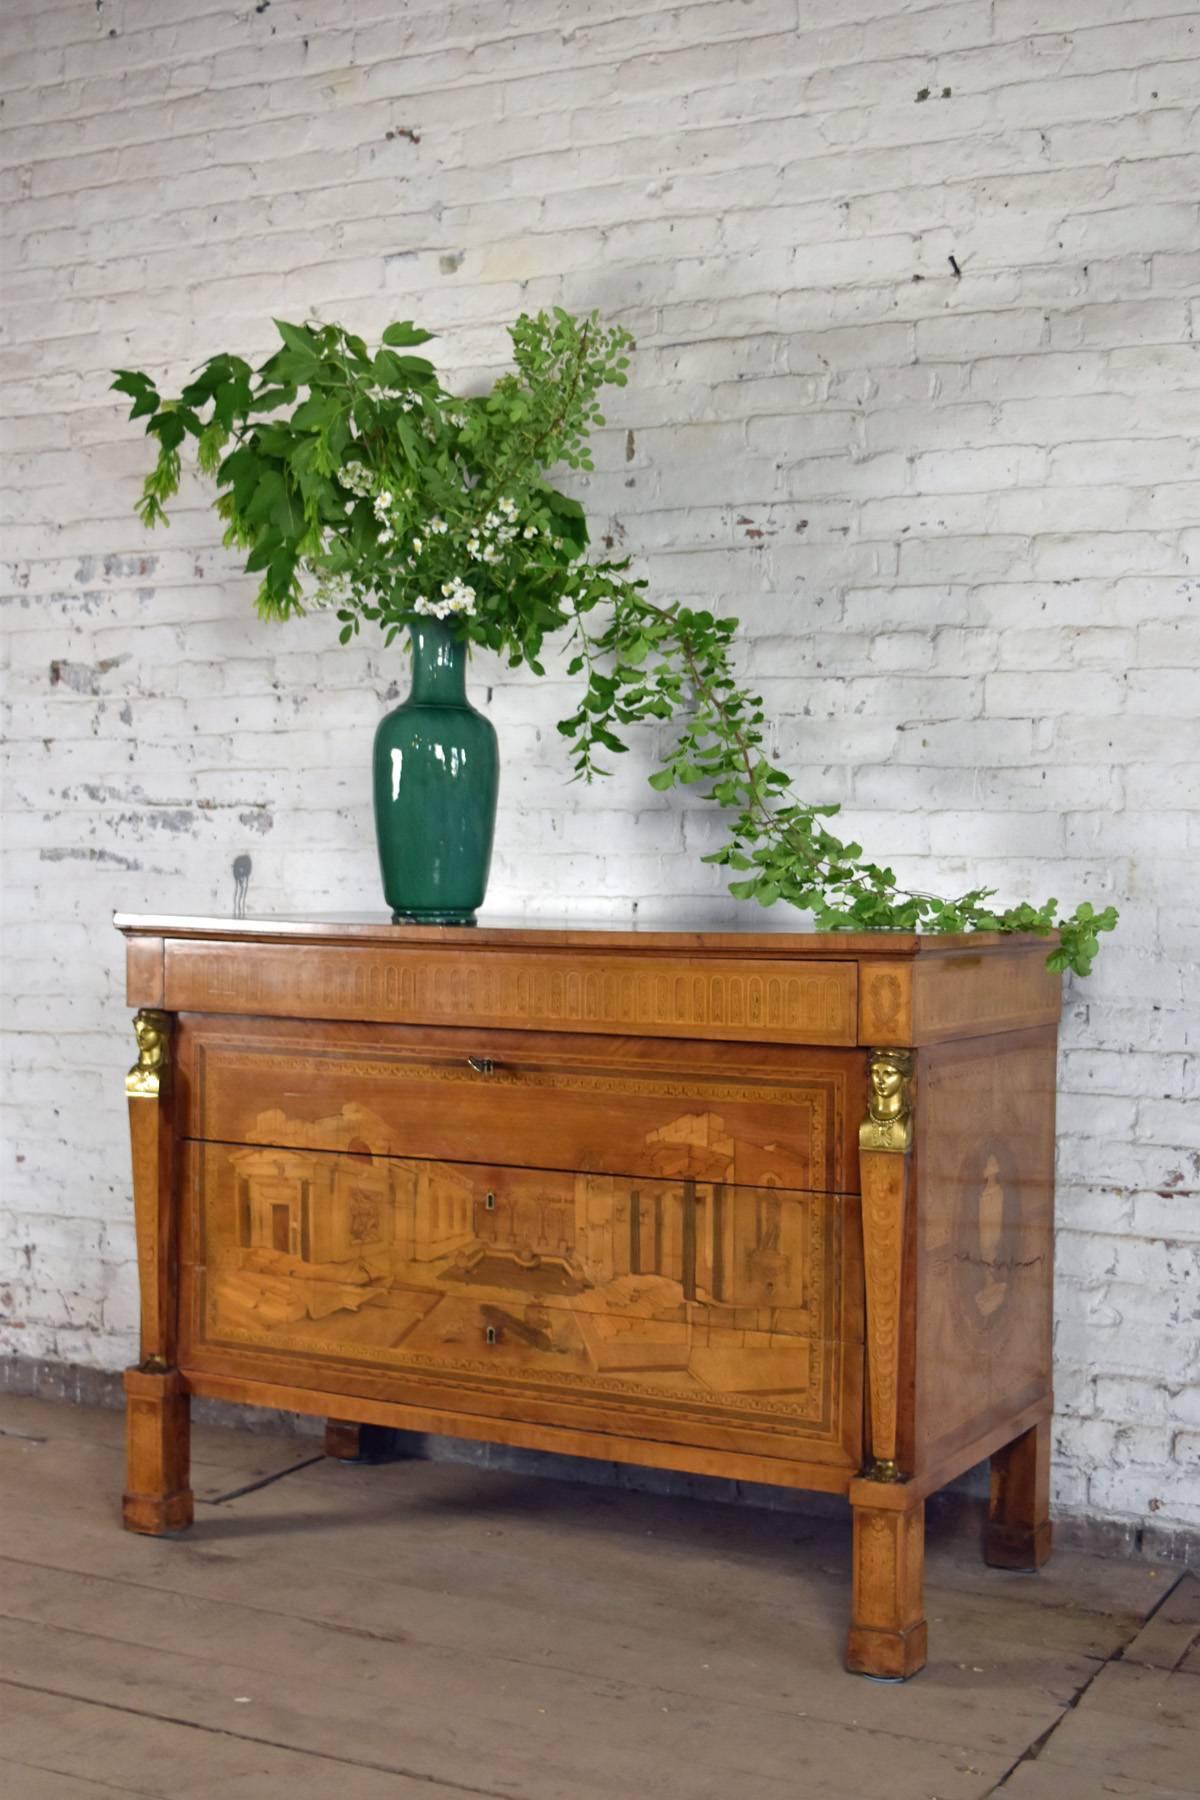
(436, 780)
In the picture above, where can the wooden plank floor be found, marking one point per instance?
(437, 1630)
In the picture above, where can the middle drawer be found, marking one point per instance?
(769, 1116)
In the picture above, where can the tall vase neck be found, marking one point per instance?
(439, 664)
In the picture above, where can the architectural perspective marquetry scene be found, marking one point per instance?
(657, 1198)
(702, 1291)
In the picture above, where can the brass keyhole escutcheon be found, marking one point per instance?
(489, 1201)
(489, 1334)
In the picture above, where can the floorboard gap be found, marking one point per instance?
(123, 1790)
(1032, 1751)
(252, 1487)
(447, 1786)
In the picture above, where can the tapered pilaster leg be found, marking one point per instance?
(158, 1498)
(887, 1628)
(1018, 1533)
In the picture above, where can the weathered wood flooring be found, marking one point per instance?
(342, 1632)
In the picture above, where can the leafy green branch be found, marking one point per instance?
(355, 481)
(652, 664)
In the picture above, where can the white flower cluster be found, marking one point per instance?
(458, 597)
(499, 528)
(381, 506)
(363, 483)
(357, 477)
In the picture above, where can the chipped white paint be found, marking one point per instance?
(916, 396)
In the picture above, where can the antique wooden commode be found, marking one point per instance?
(771, 1206)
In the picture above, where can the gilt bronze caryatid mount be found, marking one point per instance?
(152, 1030)
(888, 1124)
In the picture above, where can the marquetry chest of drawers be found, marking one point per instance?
(772, 1206)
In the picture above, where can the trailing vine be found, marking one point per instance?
(383, 496)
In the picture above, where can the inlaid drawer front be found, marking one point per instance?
(764, 999)
(782, 1119)
(706, 1301)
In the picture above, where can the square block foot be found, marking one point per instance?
(888, 1655)
(1017, 1547)
(158, 1517)
(367, 1443)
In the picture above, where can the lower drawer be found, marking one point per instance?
(689, 1311)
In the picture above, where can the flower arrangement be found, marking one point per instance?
(355, 481)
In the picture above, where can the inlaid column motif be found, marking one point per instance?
(885, 1143)
(157, 1498)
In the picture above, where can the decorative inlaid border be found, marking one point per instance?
(812, 1407)
(552, 991)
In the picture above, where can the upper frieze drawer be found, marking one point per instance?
(758, 999)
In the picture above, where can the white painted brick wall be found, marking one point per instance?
(960, 517)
